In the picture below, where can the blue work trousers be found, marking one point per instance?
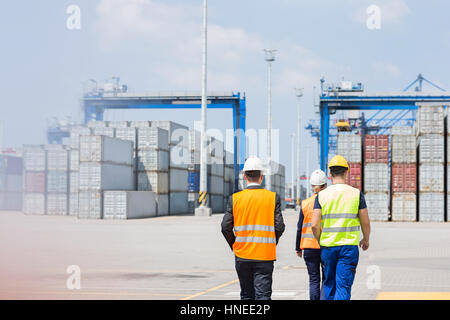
(313, 264)
(340, 268)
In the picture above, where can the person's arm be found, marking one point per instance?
(299, 233)
(279, 222)
(228, 224)
(317, 219)
(364, 220)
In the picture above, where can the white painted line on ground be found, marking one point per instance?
(274, 294)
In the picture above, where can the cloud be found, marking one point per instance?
(235, 55)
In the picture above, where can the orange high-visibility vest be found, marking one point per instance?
(308, 241)
(254, 224)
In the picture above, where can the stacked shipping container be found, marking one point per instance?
(153, 165)
(57, 180)
(349, 146)
(74, 167)
(430, 129)
(34, 179)
(403, 174)
(11, 168)
(178, 164)
(376, 176)
(105, 164)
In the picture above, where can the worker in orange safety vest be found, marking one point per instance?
(306, 245)
(252, 225)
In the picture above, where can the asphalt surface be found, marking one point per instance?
(186, 257)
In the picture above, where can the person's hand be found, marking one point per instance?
(364, 244)
(300, 254)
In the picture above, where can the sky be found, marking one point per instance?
(155, 45)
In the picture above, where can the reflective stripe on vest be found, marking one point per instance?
(307, 240)
(340, 220)
(254, 224)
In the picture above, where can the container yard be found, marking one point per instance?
(136, 139)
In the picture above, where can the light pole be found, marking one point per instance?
(270, 57)
(292, 164)
(308, 174)
(203, 209)
(299, 95)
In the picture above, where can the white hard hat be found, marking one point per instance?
(318, 178)
(253, 164)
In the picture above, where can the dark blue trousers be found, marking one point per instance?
(313, 264)
(255, 279)
(340, 268)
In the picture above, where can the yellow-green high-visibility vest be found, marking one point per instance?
(340, 220)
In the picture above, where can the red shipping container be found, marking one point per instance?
(376, 148)
(354, 175)
(404, 177)
(34, 182)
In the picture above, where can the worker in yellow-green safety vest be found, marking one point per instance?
(340, 212)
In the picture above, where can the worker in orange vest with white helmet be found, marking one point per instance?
(306, 245)
(252, 225)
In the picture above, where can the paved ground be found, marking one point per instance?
(186, 257)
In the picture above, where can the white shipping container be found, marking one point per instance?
(90, 205)
(74, 160)
(75, 133)
(349, 146)
(34, 158)
(194, 140)
(217, 203)
(431, 177)
(430, 118)
(11, 201)
(216, 170)
(227, 188)
(128, 134)
(140, 124)
(57, 159)
(152, 160)
(431, 206)
(404, 207)
(162, 204)
(14, 182)
(228, 174)
(105, 176)
(57, 204)
(96, 124)
(178, 203)
(108, 132)
(73, 204)
(216, 185)
(34, 203)
(129, 205)
(57, 181)
(180, 157)
(157, 182)
(152, 138)
(118, 124)
(178, 180)
(216, 148)
(403, 131)
(377, 205)
(403, 148)
(74, 181)
(105, 149)
(376, 177)
(177, 133)
(431, 148)
(229, 158)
